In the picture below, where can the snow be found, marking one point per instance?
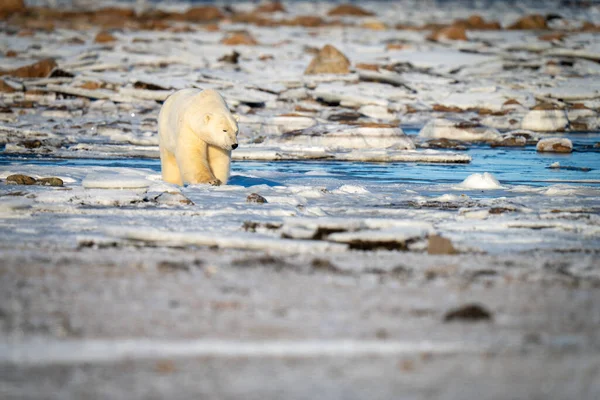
(549, 144)
(113, 180)
(481, 181)
(545, 120)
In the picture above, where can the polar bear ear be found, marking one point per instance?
(207, 117)
(236, 117)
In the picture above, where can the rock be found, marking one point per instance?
(202, 14)
(511, 141)
(31, 144)
(232, 58)
(239, 38)
(53, 181)
(90, 85)
(329, 60)
(550, 37)
(442, 108)
(554, 145)
(6, 88)
(444, 144)
(256, 198)
(104, 37)
(270, 7)
(468, 313)
(530, 22)
(374, 25)
(440, 245)
(466, 131)
(597, 145)
(19, 179)
(369, 67)
(9, 7)
(349, 9)
(452, 32)
(40, 69)
(173, 199)
(307, 21)
(545, 120)
(476, 22)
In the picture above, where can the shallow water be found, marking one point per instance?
(514, 166)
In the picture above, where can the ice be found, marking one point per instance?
(481, 181)
(458, 130)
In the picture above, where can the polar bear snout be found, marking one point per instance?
(234, 146)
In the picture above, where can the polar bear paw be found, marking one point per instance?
(215, 182)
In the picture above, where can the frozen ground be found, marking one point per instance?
(397, 195)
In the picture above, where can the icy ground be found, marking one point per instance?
(406, 239)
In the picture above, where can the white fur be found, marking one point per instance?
(196, 133)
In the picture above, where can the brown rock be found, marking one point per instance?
(20, 179)
(476, 22)
(444, 143)
(270, 7)
(589, 27)
(9, 7)
(442, 108)
(374, 25)
(530, 22)
(549, 37)
(511, 102)
(10, 54)
(440, 245)
(53, 181)
(31, 144)
(239, 38)
(396, 46)
(104, 37)
(579, 106)
(40, 69)
(546, 106)
(329, 60)
(307, 21)
(468, 313)
(255, 198)
(453, 32)
(232, 58)
(202, 14)
(252, 18)
(512, 141)
(369, 67)
(90, 85)
(5, 87)
(559, 148)
(349, 9)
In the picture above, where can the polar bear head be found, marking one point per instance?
(223, 130)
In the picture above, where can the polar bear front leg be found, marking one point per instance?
(169, 168)
(219, 161)
(193, 164)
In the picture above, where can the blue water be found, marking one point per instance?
(523, 166)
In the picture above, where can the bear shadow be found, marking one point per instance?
(247, 181)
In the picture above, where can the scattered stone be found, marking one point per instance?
(542, 119)
(349, 9)
(104, 37)
(6, 88)
(476, 22)
(374, 25)
(9, 7)
(444, 144)
(90, 85)
(557, 165)
(530, 22)
(239, 38)
(202, 14)
(452, 32)
(20, 179)
(40, 69)
(440, 245)
(468, 313)
(396, 46)
(148, 86)
(597, 145)
(555, 145)
(329, 60)
(270, 7)
(442, 108)
(369, 67)
(307, 21)
(511, 141)
(231, 58)
(256, 198)
(52, 181)
(173, 199)
(172, 266)
(551, 37)
(61, 73)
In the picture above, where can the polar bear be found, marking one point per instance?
(196, 133)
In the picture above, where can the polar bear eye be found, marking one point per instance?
(225, 130)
